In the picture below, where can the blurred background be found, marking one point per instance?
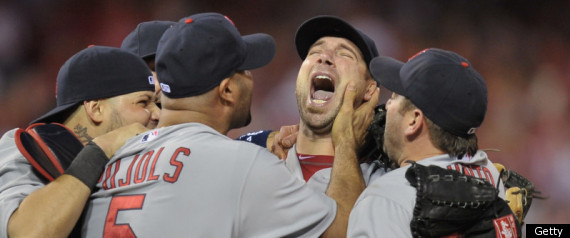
(522, 48)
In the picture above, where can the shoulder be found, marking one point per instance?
(9, 135)
(382, 215)
(9, 150)
(8, 139)
(391, 186)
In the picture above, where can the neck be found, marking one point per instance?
(418, 152)
(175, 117)
(313, 144)
(84, 129)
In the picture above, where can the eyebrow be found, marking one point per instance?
(145, 96)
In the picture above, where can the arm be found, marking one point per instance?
(278, 142)
(53, 210)
(348, 134)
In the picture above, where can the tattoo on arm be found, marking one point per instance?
(82, 134)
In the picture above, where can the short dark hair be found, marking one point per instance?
(451, 144)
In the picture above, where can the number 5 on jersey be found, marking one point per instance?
(119, 203)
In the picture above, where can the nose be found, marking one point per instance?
(326, 58)
(154, 112)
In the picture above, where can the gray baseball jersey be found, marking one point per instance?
(17, 179)
(189, 180)
(320, 180)
(385, 208)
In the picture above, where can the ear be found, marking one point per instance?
(94, 110)
(226, 91)
(369, 91)
(414, 122)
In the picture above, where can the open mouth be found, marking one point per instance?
(322, 89)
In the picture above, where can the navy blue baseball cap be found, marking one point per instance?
(442, 84)
(143, 40)
(315, 28)
(201, 50)
(97, 72)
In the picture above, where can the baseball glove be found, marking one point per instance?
(50, 148)
(519, 192)
(451, 203)
(374, 146)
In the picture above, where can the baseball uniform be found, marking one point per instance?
(17, 179)
(385, 208)
(190, 180)
(321, 178)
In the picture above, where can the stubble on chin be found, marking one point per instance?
(116, 121)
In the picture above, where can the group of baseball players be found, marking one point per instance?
(154, 159)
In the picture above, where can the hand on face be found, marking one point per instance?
(331, 63)
(115, 139)
(350, 125)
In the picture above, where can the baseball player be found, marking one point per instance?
(142, 41)
(188, 179)
(99, 89)
(437, 104)
(334, 53)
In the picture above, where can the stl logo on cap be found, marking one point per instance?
(165, 87)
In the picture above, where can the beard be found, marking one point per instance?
(392, 143)
(319, 122)
(116, 121)
(241, 121)
(242, 116)
(247, 120)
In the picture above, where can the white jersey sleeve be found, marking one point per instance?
(17, 179)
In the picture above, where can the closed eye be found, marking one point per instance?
(346, 52)
(312, 52)
(143, 103)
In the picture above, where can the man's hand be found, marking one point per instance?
(115, 139)
(280, 142)
(348, 134)
(350, 125)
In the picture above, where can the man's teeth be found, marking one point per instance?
(319, 101)
(324, 77)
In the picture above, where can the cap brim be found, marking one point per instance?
(58, 114)
(260, 51)
(315, 28)
(386, 71)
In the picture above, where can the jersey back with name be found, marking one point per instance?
(190, 181)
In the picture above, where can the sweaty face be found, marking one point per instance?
(244, 83)
(330, 64)
(133, 107)
(393, 134)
